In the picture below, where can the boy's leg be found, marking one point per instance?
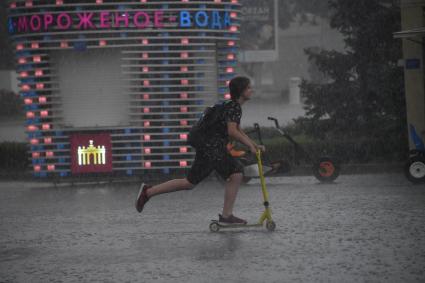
(230, 193)
(231, 171)
(146, 192)
(169, 186)
(200, 169)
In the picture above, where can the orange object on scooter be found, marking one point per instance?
(233, 152)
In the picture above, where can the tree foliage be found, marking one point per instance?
(362, 93)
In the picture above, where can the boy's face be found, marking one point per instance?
(247, 93)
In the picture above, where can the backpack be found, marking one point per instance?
(204, 127)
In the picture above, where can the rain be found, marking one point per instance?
(99, 97)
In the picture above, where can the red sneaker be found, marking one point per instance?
(142, 197)
(230, 220)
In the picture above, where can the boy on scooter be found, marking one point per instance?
(213, 155)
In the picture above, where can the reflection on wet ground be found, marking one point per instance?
(362, 228)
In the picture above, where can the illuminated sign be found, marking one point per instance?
(85, 155)
(106, 20)
(91, 153)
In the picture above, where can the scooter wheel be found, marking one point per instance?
(415, 169)
(214, 227)
(270, 225)
(326, 170)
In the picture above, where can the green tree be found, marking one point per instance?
(362, 93)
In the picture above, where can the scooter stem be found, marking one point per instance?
(261, 173)
(267, 213)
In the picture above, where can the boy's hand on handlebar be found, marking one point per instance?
(253, 149)
(261, 147)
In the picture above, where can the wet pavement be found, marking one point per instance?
(363, 228)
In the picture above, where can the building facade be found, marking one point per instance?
(112, 87)
(412, 34)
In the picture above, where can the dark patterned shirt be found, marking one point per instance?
(219, 137)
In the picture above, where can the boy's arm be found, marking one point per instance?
(260, 147)
(235, 133)
(243, 133)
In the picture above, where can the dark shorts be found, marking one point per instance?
(204, 164)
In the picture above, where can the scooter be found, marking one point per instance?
(415, 166)
(266, 216)
(325, 169)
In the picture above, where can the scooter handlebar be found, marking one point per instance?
(275, 121)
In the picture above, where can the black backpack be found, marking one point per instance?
(206, 125)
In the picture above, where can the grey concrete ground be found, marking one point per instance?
(364, 228)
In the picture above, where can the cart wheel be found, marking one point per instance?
(326, 170)
(270, 225)
(415, 169)
(214, 227)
